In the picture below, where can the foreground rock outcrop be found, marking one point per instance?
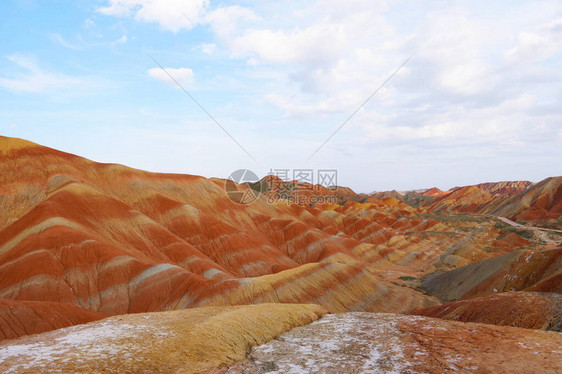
(282, 338)
(389, 343)
(186, 341)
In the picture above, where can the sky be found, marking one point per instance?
(479, 100)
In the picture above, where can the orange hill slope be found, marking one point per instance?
(542, 200)
(469, 199)
(110, 239)
(277, 189)
(105, 239)
(479, 198)
(33, 317)
(520, 201)
(434, 192)
(534, 310)
(505, 188)
(520, 270)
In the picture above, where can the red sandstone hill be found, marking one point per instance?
(505, 188)
(33, 317)
(81, 240)
(535, 310)
(480, 198)
(520, 270)
(109, 239)
(384, 194)
(520, 201)
(301, 193)
(469, 199)
(435, 192)
(541, 201)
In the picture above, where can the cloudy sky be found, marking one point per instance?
(479, 101)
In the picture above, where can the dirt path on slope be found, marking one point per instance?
(512, 223)
(541, 232)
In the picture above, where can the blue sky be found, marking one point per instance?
(479, 101)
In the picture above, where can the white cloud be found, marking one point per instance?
(538, 44)
(173, 15)
(121, 40)
(321, 42)
(336, 53)
(182, 75)
(302, 110)
(88, 23)
(82, 45)
(225, 21)
(506, 124)
(332, 56)
(37, 80)
(208, 48)
(485, 76)
(58, 38)
(458, 46)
